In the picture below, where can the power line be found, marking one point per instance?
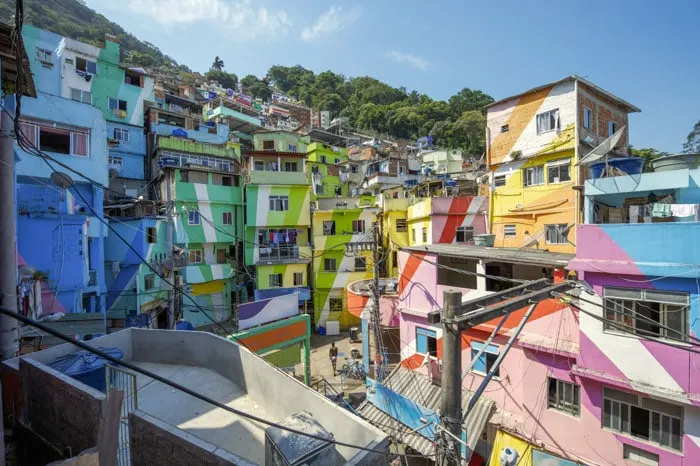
(462, 271)
(182, 388)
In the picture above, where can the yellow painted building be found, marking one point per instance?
(533, 143)
(393, 212)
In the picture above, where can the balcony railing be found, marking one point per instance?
(280, 253)
(170, 263)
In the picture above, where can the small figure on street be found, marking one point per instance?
(333, 354)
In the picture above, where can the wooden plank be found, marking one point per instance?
(108, 436)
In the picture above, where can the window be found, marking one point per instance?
(426, 341)
(86, 66)
(360, 264)
(509, 230)
(358, 226)
(637, 455)
(195, 256)
(547, 121)
(556, 234)
(269, 145)
(43, 55)
(486, 361)
(226, 181)
(337, 160)
(414, 234)
(329, 265)
(643, 418)
(81, 96)
(193, 218)
(559, 171)
(335, 304)
(323, 159)
(505, 128)
(279, 203)
(290, 166)
(354, 169)
(115, 161)
(464, 234)
(121, 134)
(149, 281)
(292, 148)
(424, 233)
(275, 280)
(644, 312)
(564, 396)
(612, 128)
(394, 259)
(298, 279)
(533, 176)
(587, 117)
(328, 227)
(499, 180)
(401, 225)
(259, 166)
(61, 141)
(227, 218)
(151, 235)
(184, 176)
(116, 104)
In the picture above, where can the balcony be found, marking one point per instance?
(652, 249)
(282, 255)
(194, 147)
(274, 169)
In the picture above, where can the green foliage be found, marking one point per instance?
(367, 102)
(692, 144)
(227, 80)
(649, 155)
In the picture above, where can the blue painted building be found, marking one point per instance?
(60, 235)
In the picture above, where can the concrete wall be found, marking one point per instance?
(157, 442)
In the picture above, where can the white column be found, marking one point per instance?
(481, 280)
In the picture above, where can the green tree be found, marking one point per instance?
(649, 155)
(692, 143)
(227, 80)
(218, 64)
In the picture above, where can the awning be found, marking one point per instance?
(419, 389)
(216, 286)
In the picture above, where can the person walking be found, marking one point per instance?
(333, 354)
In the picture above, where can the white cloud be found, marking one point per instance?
(330, 22)
(412, 60)
(247, 20)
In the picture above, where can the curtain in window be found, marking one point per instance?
(80, 143)
(29, 132)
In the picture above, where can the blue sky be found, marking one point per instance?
(647, 52)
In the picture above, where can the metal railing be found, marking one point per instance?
(125, 381)
(279, 253)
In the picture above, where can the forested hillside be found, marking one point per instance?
(369, 103)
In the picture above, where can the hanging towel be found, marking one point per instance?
(684, 210)
(647, 213)
(634, 213)
(661, 210)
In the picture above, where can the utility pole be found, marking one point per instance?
(451, 401)
(9, 330)
(375, 316)
(170, 212)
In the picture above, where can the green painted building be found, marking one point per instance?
(277, 199)
(326, 172)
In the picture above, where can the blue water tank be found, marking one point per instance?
(87, 367)
(183, 325)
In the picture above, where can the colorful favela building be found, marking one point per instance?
(277, 200)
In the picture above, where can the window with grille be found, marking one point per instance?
(193, 218)
(290, 166)
(556, 234)
(358, 226)
(644, 419)
(298, 279)
(401, 225)
(548, 121)
(499, 180)
(81, 96)
(651, 313)
(464, 234)
(195, 256)
(335, 304)
(151, 235)
(509, 230)
(329, 265)
(564, 396)
(115, 161)
(328, 227)
(275, 280)
(259, 166)
(279, 203)
(533, 176)
(121, 134)
(360, 264)
(268, 145)
(559, 171)
(227, 218)
(149, 281)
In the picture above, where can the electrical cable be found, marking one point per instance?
(177, 386)
(413, 253)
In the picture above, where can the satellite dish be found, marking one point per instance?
(113, 173)
(509, 457)
(61, 179)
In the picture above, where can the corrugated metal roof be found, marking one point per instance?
(420, 389)
(516, 256)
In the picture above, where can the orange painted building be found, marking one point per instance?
(534, 140)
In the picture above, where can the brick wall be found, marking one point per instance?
(156, 442)
(604, 111)
(58, 409)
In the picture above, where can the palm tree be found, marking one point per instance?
(218, 64)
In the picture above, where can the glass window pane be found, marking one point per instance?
(624, 418)
(665, 431)
(676, 433)
(577, 400)
(676, 317)
(655, 431)
(616, 416)
(607, 410)
(552, 400)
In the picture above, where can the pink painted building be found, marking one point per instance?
(449, 220)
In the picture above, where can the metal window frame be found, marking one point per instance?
(572, 408)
